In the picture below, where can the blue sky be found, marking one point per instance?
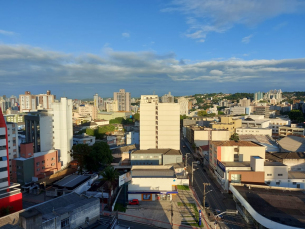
(78, 48)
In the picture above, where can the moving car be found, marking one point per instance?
(134, 202)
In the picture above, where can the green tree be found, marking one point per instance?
(221, 113)
(202, 113)
(234, 137)
(100, 153)
(118, 120)
(80, 153)
(90, 132)
(296, 115)
(110, 174)
(136, 116)
(183, 117)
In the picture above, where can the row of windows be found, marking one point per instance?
(280, 175)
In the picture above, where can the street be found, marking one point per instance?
(215, 198)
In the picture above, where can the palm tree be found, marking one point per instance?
(109, 174)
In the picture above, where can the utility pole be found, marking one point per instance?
(204, 184)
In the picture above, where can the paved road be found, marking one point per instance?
(214, 197)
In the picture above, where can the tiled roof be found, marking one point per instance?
(234, 143)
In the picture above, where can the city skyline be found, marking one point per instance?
(185, 47)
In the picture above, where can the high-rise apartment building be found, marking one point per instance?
(159, 124)
(30, 102)
(262, 110)
(96, 100)
(258, 96)
(274, 94)
(63, 129)
(184, 105)
(123, 99)
(244, 102)
(168, 98)
(13, 149)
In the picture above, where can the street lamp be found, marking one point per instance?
(196, 162)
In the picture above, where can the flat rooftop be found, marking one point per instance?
(72, 181)
(153, 173)
(296, 175)
(235, 143)
(279, 205)
(158, 151)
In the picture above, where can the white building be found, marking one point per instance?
(96, 101)
(160, 124)
(83, 139)
(254, 131)
(132, 138)
(245, 102)
(12, 139)
(184, 105)
(27, 102)
(167, 98)
(63, 129)
(123, 100)
(112, 106)
(275, 123)
(237, 110)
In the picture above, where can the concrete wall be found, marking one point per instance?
(145, 159)
(271, 172)
(170, 159)
(295, 164)
(254, 131)
(46, 133)
(226, 153)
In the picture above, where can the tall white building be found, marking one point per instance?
(4, 176)
(13, 149)
(63, 129)
(96, 101)
(184, 105)
(44, 101)
(123, 99)
(159, 124)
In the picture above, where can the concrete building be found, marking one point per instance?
(13, 149)
(255, 123)
(44, 101)
(184, 105)
(88, 110)
(132, 138)
(167, 98)
(275, 123)
(227, 123)
(201, 136)
(96, 101)
(274, 94)
(293, 129)
(231, 151)
(112, 106)
(254, 131)
(67, 211)
(63, 129)
(15, 118)
(155, 157)
(294, 161)
(112, 115)
(270, 207)
(244, 102)
(160, 124)
(123, 99)
(237, 110)
(150, 183)
(27, 102)
(83, 139)
(262, 110)
(258, 96)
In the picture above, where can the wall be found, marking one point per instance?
(245, 152)
(142, 159)
(46, 133)
(295, 164)
(48, 165)
(274, 171)
(170, 159)
(25, 170)
(145, 184)
(148, 126)
(254, 131)
(14, 201)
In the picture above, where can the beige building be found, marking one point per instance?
(245, 102)
(227, 123)
(254, 131)
(88, 110)
(201, 136)
(44, 101)
(27, 102)
(292, 130)
(184, 105)
(123, 100)
(113, 115)
(112, 106)
(160, 124)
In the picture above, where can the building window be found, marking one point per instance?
(37, 163)
(65, 223)
(280, 175)
(294, 183)
(43, 167)
(277, 183)
(38, 169)
(52, 164)
(42, 162)
(52, 158)
(269, 175)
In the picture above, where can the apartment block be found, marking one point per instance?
(227, 123)
(29, 102)
(15, 118)
(44, 101)
(237, 110)
(123, 99)
(262, 110)
(88, 110)
(168, 98)
(160, 124)
(184, 105)
(244, 102)
(293, 129)
(13, 149)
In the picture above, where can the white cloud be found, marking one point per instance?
(205, 16)
(7, 33)
(126, 35)
(35, 66)
(246, 40)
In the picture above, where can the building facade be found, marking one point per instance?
(160, 124)
(123, 99)
(184, 105)
(167, 98)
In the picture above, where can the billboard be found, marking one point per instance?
(126, 177)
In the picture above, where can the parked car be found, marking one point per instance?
(134, 202)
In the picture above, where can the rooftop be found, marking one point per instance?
(164, 173)
(72, 181)
(158, 151)
(120, 150)
(296, 174)
(279, 205)
(292, 144)
(285, 155)
(60, 205)
(235, 143)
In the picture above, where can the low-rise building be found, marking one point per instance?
(255, 123)
(295, 161)
(292, 144)
(227, 123)
(270, 207)
(237, 110)
(275, 123)
(291, 130)
(254, 131)
(83, 139)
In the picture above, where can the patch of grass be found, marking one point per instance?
(119, 207)
(183, 187)
(196, 213)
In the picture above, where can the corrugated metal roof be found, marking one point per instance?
(296, 175)
(72, 181)
(292, 144)
(152, 173)
(234, 143)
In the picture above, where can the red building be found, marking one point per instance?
(10, 195)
